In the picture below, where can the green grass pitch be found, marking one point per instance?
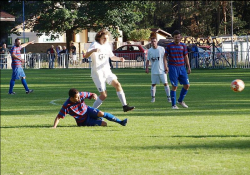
(212, 136)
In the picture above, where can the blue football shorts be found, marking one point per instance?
(92, 118)
(17, 73)
(178, 74)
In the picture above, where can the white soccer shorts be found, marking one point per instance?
(100, 82)
(156, 78)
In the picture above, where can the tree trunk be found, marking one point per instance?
(224, 4)
(69, 39)
(218, 21)
(179, 15)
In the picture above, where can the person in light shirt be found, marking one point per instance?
(100, 52)
(158, 73)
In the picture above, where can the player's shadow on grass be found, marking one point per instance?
(34, 126)
(207, 136)
(27, 112)
(50, 126)
(218, 145)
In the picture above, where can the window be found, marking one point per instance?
(122, 48)
(136, 48)
(24, 40)
(9, 41)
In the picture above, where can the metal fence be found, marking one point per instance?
(220, 60)
(213, 61)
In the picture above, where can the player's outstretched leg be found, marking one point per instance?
(112, 118)
(126, 107)
(97, 103)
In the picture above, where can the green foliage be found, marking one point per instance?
(211, 137)
(195, 18)
(139, 34)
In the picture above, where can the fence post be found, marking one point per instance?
(39, 62)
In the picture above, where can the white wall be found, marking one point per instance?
(42, 39)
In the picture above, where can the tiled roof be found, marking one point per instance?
(6, 16)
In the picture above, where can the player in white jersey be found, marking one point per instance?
(100, 52)
(158, 73)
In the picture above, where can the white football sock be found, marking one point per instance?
(97, 103)
(167, 90)
(121, 96)
(153, 91)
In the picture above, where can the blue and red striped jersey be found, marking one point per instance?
(77, 110)
(176, 53)
(17, 51)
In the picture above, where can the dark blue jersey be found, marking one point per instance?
(77, 110)
(176, 53)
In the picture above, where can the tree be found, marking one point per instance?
(73, 16)
(140, 34)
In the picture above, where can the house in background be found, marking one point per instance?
(82, 40)
(161, 34)
(5, 17)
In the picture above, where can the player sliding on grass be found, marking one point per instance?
(83, 114)
(100, 52)
(177, 55)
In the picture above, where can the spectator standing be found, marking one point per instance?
(64, 55)
(52, 53)
(17, 70)
(4, 51)
(195, 52)
(59, 58)
(73, 51)
(177, 55)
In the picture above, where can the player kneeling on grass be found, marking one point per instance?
(84, 114)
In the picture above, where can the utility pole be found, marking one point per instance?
(232, 33)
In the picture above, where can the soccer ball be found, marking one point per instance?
(237, 85)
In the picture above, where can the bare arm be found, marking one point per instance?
(56, 122)
(115, 58)
(15, 57)
(165, 61)
(147, 64)
(26, 44)
(88, 54)
(187, 63)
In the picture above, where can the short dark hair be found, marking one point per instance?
(100, 33)
(73, 92)
(153, 35)
(176, 32)
(17, 39)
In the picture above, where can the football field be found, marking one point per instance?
(212, 136)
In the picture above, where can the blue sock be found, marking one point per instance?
(12, 83)
(25, 84)
(110, 117)
(182, 94)
(173, 97)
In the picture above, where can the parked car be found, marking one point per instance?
(218, 51)
(206, 48)
(203, 53)
(132, 52)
